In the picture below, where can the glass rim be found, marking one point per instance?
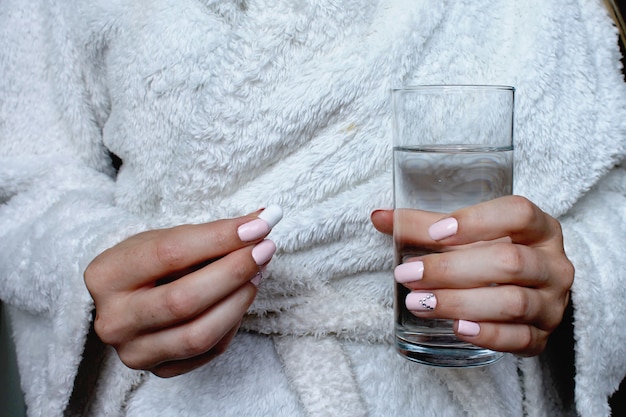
(453, 87)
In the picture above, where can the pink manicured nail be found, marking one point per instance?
(409, 272)
(258, 277)
(443, 228)
(468, 328)
(253, 230)
(421, 301)
(261, 226)
(256, 280)
(263, 252)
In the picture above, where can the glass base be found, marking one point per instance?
(447, 356)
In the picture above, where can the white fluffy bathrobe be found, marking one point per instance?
(219, 107)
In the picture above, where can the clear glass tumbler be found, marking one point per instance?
(453, 147)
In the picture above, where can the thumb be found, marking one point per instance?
(383, 221)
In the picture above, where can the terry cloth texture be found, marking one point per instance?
(219, 107)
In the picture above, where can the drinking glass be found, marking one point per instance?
(453, 147)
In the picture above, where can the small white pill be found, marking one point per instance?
(272, 215)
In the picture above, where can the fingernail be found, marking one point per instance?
(443, 228)
(253, 230)
(260, 226)
(258, 277)
(409, 272)
(468, 328)
(421, 301)
(263, 252)
(272, 215)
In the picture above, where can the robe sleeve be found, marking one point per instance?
(57, 203)
(594, 241)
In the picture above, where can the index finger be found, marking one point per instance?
(514, 217)
(410, 230)
(166, 253)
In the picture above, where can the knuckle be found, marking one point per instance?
(170, 252)
(556, 226)
(526, 340)
(110, 332)
(519, 304)
(131, 360)
(568, 274)
(553, 322)
(194, 343)
(563, 285)
(525, 211)
(91, 273)
(510, 257)
(179, 303)
(95, 274)
(554, 316)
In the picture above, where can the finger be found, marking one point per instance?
(497, 263)
(498, 304)
(383, 221)
(520, 339)
(175, 368)
(410, 230)
(189, 296)
(512, 216)
(156, 254)
(151, 255)
(410, 227)
(191, 339)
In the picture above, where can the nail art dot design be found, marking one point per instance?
(424, 302)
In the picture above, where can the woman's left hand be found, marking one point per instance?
(500, 271)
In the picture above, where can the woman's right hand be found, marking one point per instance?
(171, 300)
